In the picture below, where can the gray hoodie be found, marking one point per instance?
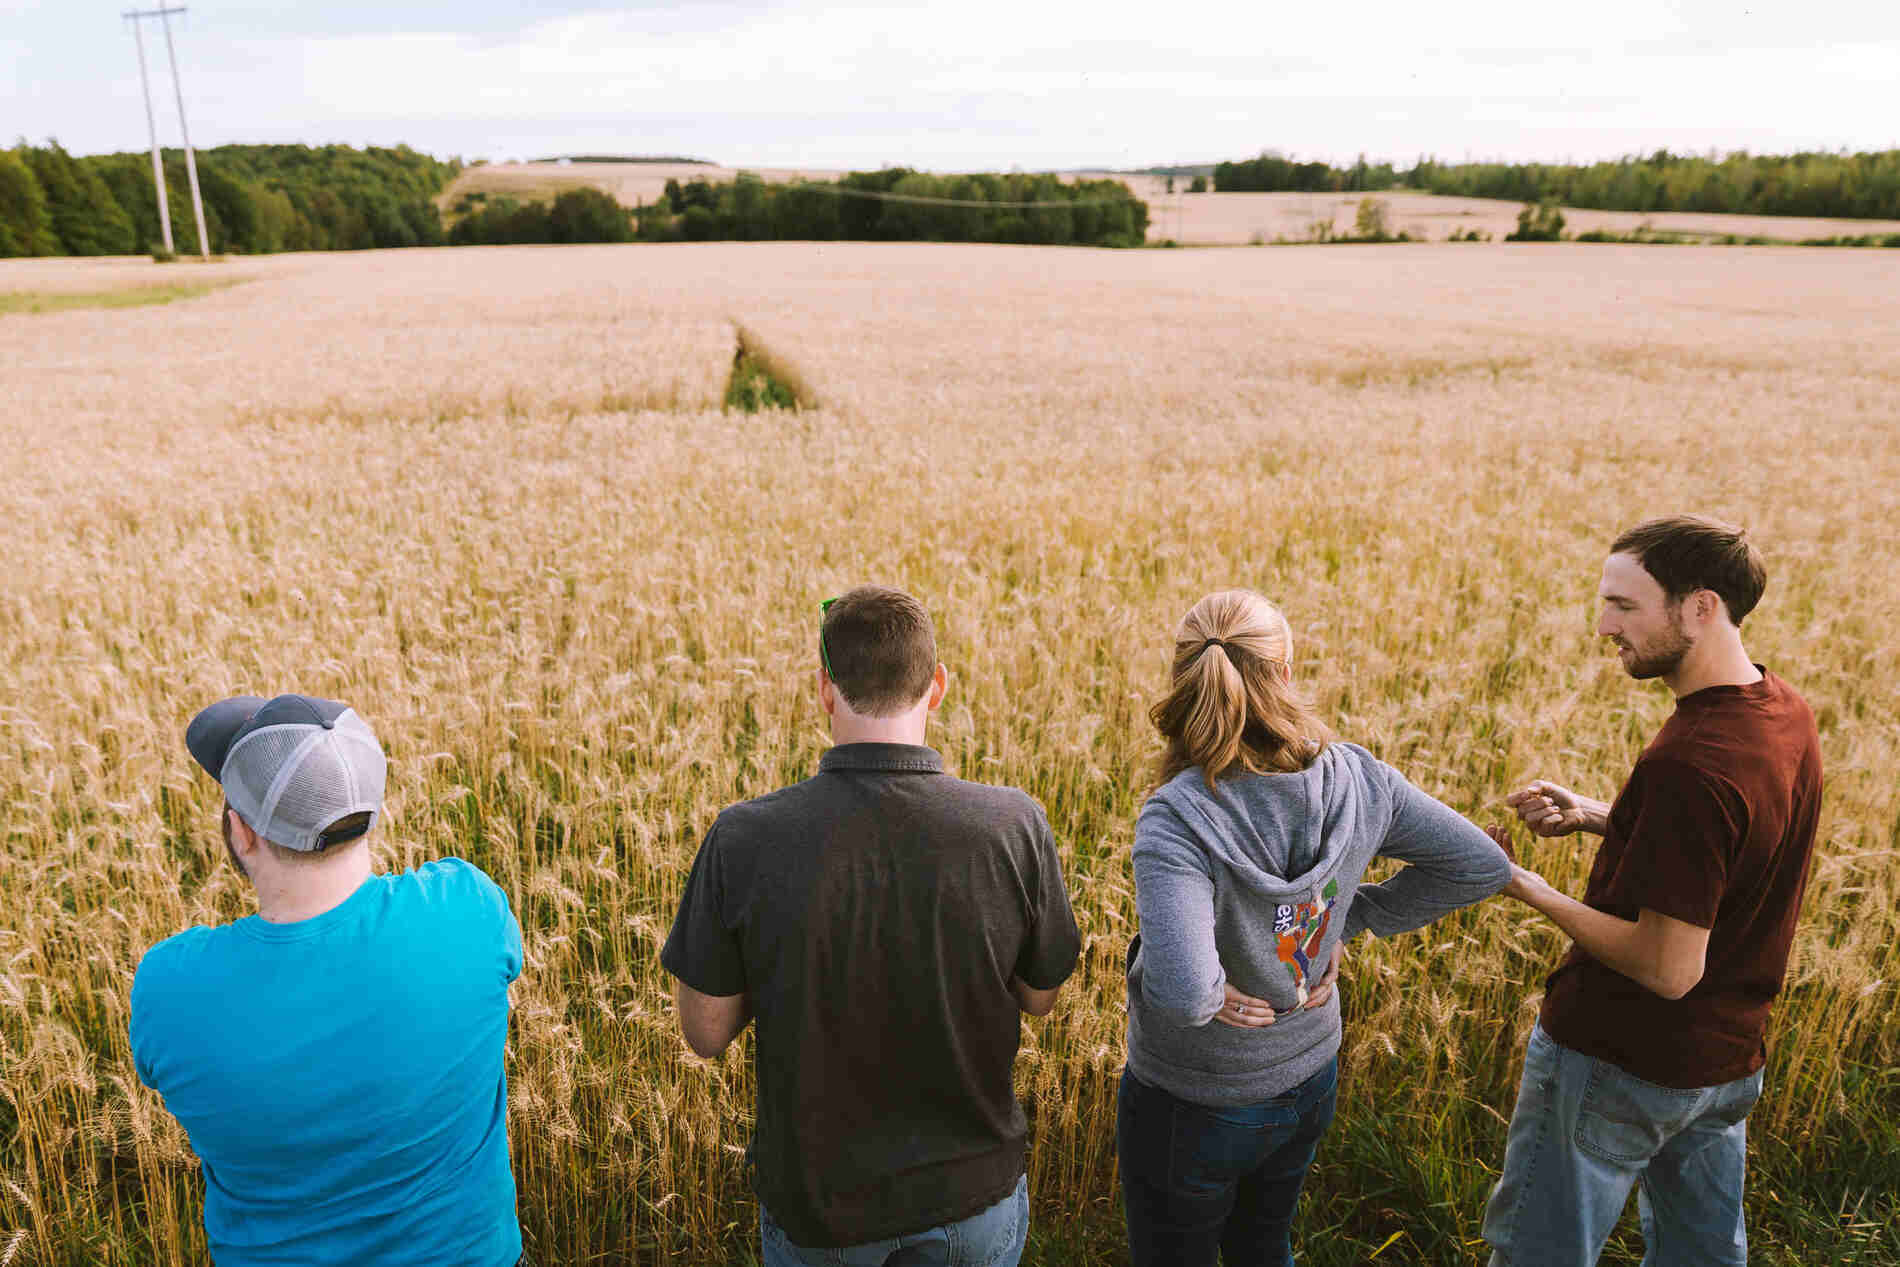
(1255, 883)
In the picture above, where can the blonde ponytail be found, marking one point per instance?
(1231, 702)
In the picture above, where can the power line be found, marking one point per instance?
(843, 191)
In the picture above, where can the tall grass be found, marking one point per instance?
(580, 624)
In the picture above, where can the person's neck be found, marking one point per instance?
(287, 897)
(1719, 660)
(849, 728)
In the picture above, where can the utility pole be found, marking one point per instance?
(151, 127)
(191, 161)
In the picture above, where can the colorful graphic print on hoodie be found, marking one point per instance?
(1301, 928)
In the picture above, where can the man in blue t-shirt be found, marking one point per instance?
(337, 1057)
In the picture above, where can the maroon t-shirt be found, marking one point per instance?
(1715, 827)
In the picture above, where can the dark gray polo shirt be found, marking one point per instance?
(875, 914)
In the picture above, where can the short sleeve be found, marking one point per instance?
(702, 951)
(511, 951)
(1049, 952)
(494, 899)
(1680, 843)
(140, 1026)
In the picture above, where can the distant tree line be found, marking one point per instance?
(873, 207)
(1847, 186)
(1274, 173)
(863, 206)
(261, 198)
(1862, 186)
(257, 198)
(578, 215)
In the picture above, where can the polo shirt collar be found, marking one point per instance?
(912, 758)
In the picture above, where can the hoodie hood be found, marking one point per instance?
(1281, 836)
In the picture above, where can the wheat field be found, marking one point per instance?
(488, 496)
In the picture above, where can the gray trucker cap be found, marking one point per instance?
(291, 766)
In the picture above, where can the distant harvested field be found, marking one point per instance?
(488, 496)
(1236, 219)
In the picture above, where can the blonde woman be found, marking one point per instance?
(1248, 863)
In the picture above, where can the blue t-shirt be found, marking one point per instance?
(341, 1077)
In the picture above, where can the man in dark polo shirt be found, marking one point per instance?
(1648, 1053)
(885, 924)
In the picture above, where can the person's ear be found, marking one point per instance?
(827, 692)
(939, 683)
(1718, 610)
(243, 839)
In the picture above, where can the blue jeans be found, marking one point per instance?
(988, 1238)
(1584, 1132)
(1199, 1182)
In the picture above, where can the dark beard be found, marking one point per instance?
(1667, 657)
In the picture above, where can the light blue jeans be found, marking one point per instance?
(1584, 1132)
(988, 1238)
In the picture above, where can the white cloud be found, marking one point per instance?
(999, 82)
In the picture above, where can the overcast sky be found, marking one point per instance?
(972, 83)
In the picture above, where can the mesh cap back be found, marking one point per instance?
(293, 766)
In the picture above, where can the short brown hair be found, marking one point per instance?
(1231, 703)
(1686, 553)
(879, 648)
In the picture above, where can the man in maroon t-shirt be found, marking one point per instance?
(1648, 1052)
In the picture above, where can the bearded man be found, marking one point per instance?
(1648, 1052)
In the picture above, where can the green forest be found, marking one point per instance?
(901, 205)
(1849, 186)
(1275, 173)
(1863, 186)
(263, 198)
(893, 205)
(257, 198)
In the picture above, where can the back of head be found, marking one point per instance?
(335, 843)
(879, 649)
(305, 774)
(1231, 703)
(1686, 553)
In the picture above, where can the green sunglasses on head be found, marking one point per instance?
(824, 655)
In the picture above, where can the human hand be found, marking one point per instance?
(1501, 837)
(1243, 1011)
(1525, 885)
(1323, 988)
(1550, 810)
